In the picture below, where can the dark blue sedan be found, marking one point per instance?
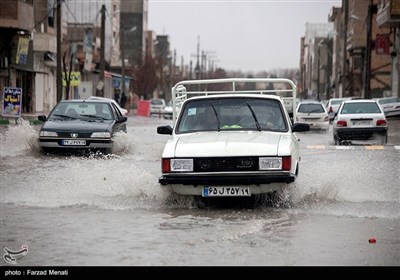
(81, 125)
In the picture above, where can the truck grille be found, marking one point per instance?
(220, 164)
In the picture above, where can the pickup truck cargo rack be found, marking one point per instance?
(282, 87)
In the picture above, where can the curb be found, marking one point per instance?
(7, 122)
(356, 147)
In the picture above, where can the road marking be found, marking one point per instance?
(319, 147)
(374, 147)
(366, 147)
(343, 148)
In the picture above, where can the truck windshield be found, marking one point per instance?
(236, 113)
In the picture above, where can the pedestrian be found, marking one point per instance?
(129, 103)
(28, 101)
(116, 95)
(123, 100)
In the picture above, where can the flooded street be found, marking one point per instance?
(111, 211)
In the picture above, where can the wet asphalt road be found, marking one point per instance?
(110, 211)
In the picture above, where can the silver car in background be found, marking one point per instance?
(390, 106)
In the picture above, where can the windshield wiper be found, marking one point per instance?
(254, 116)
(63, 116)
(94, 116)
(315, 111)
(216, 114)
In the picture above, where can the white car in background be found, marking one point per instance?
(123, 111)
(168, 111)
(231, 144)
(332, 107)
(314, 113)
(390, 105)
(361, 119)
(157, 106)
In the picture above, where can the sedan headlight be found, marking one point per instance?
(45, 133)
(101, 135)
(270, 163)
(181, 165)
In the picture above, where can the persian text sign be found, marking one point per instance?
(75, 79)
(12, 102)
(22, 50)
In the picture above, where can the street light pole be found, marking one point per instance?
(100, 91)
(122, 35)
(59, 73)
(318, 63)
(122, 60)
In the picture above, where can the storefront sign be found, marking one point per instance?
(12, 102)
(22, 51)
(75, 79)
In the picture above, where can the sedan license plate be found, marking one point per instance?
(73, 142)
(226, 191)
(361, 123)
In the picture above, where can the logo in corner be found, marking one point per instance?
(11, 256)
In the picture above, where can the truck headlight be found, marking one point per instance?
(270, 163)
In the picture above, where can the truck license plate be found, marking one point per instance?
(226, 191)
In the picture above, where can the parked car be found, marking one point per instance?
(314, 113)
(332, 107)
(81, 125)
(230, 144)
(390, 106)
(123, 111)
(168, 110)
(157, 107)
(361, 119)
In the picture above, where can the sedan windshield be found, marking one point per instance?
(311, 108)
(361, 108)
(82, 110)
(232, 114)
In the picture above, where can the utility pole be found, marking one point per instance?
(197, 67)
(318, 70)
(345, 4)
(122, 59)
(59, 73)
(367, 56)
(100, 90)
(122, 47)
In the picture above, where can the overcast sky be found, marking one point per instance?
(247, 35)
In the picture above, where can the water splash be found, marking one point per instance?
(18, 139)
(123, 143)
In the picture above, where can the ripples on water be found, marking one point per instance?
(128, 179)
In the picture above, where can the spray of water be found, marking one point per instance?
(18, 139)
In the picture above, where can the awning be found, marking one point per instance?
(27, 69)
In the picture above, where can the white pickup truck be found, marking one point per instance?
(230, 141)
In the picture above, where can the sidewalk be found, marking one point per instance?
(32, 118)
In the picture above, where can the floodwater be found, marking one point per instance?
(110, 210)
